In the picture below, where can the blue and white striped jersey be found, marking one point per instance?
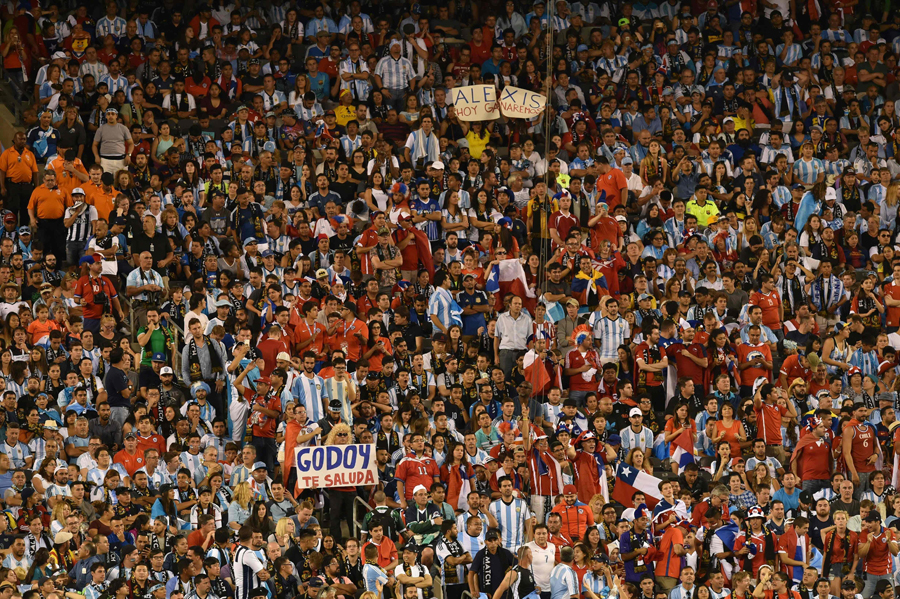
(511, 517)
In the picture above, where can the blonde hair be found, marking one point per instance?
(282, 525)
(892, 196)
(58, 511)
(242, 494)
(340, 428)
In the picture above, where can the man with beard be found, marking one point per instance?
(453, 560)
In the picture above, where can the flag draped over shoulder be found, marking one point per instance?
(536, 372)
(682, 449)
(629, 480)
(589, 287)
(727, 534)
(423, 248)
(808, 207)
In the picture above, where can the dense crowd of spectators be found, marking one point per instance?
(642, 346)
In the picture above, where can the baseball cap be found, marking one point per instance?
(635, 412)
(621, 218)
(158, 357)
(75, 192)
(283, 356)
(570, 490)
(321, 273)
(259, 466)
(166, 370)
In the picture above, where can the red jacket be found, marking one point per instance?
(575, 518)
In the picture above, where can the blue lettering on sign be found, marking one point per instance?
(509, 94)
(333, 457)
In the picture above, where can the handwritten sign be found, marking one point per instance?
(519, 103)
(475, 102)
(336, 466)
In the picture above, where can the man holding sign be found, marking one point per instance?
(519, 103)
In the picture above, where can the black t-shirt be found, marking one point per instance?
(346, 190)
(149, 378)
(815, 525)
(336, 243)
(409, 333)
(115, 383)
(158, 246)
(491, 569)
(72, 137)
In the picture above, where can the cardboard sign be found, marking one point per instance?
(519, 103)
(336, 466)
(475, 102)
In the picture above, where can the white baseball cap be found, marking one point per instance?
(283, 356)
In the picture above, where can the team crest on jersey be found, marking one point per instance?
(318, 386)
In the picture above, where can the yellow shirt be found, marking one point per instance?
(747, 124)
(476, 144)
(344, 114)
(703, 213)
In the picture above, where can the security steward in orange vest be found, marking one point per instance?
(46, 210)
(18, 177)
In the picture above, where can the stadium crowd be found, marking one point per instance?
(642, 346)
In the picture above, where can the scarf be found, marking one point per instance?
(196, 373)
(787, 102)
(256, 214)
(850, 197)
(826, 294)
(829, 551)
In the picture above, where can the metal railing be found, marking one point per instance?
(356, 521)
(172, 325)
